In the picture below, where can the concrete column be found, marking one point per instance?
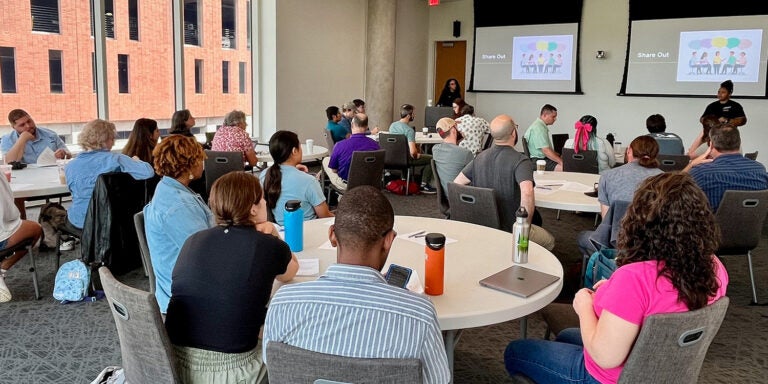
(380, 62)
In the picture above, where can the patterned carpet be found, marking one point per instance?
(47, 342)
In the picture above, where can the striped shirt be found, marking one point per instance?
(729, 171)
(352, 311)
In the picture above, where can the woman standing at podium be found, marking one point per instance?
(451, 91)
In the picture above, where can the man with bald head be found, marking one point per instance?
(509, 173)
(351, 310)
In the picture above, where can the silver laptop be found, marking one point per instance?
(519, 281)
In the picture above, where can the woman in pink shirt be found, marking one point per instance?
(666, 264)
(232, 137)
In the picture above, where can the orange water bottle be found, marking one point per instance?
(435, 264)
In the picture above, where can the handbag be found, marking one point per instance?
(398, 187)
(600, 266)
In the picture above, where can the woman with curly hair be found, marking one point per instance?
(176, 211)
(451, 90)
(142, 140)
(666, 263)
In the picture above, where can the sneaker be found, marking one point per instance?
(426, 189)
(5, 293)
(67, 245)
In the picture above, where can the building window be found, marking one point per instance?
(225, 76)
(198, 76)
(133, 19)
(122, 73)
(45, 16)
(55, 72)
(93, 70)
(228, 21)
(242, 76)
(248, 24)
(109, 19)
(8, 69)
(192, 33)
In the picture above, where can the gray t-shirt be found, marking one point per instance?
(501, 168)
(620, 183)
(450, 159)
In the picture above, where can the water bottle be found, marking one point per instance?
(520, 232)
(293, 221)
(435, 264)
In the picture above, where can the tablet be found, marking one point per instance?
(519, 281)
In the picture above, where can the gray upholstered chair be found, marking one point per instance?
(442, 195)
(671, 346)
(751, 155)
(365, 168)
(146, 260)
(27, 243)
(287, 364)
(741, 215)
(219, 163)
(328, 140)
(668, 163)
(525, 148)
(473, 205)
(584, 161)
(144, 345)
(397, 155)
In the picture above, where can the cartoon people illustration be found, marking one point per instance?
(716, 61)
(704, 63)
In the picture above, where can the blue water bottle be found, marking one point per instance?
(294, 225)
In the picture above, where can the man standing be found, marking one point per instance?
(418, 159)
(351, 310)
(509, 173)
(449, 157)
(27, 141)
(669, 143)
(539, 143)
(723, 167)
(337, 166)
(727, 110)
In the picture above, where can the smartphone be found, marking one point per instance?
(398, 276)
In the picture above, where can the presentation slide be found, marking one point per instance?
(535, 58)
(679, 57)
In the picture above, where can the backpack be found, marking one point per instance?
(600, 266)
(52, 216)
(72, 281)
(398, 187)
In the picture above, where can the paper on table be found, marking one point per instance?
(418, 237)
(550, 183)
(308, 267)
(46, 158)
(577, 187)
(414, 283)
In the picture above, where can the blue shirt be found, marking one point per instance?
(400, 128)
(296, 185)
(341, 157)
(347, 124)
(175, 213)
(338, 133)
(83, 170)
(46, 138)
(352, 311)
(729, 171)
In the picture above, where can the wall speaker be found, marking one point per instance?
(456, 28)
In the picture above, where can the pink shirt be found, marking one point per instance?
(231, 139)
(633, 293)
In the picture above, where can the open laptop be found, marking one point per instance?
(519, 281)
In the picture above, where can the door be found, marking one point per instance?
(450, 61)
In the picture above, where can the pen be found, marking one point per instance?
(416, 234)
(544, 188)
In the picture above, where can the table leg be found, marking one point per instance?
(451, 338)
(524, 327)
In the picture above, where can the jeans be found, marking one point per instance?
(544, 361)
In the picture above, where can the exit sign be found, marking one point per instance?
(434, 2)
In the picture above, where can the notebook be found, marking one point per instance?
(519, 281)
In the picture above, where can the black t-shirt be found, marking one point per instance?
(730, 109)
(220, 288)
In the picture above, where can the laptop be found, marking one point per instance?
(519, 281)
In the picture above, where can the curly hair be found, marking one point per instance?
(96, 134)
(668, 221)
(176, 155)
(363, 217)
(232, 196)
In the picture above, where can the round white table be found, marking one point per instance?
(421, 138)
(318, 153)
(477, 253)
(35, 182)
(565, 191)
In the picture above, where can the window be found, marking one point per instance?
(198, 76)
(122, 73)
(8, 69)
(248, 24)
(242, 77)
(109, 19)
(191, 23)
(45, 16)
(133, 19)
(93, 69)
(228, 18)
(54, 71)
(225, 76)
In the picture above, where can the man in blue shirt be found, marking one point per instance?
(338, 133)
(418, 159)
(27, 141)
(351, 310)
(722, 167)
(669, 143)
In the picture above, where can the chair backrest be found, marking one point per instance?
(473, 205)
(607, 233)
(397, 150)
(669, 163)
(282, 361)
(366, 168)
(144, 345)
(584, 161)
(486, 141)
(751, 155)
(558, 141)
(433, 114)
(741, 215)
(138, 221)
(219, 163)
(442, 196)
(328, 140)
(525, 148)
(671, 346)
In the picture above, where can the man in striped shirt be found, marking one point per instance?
(351, 310)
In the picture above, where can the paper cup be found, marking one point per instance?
(541, 166)
(5, 169)
(425, 130)
(310, 145)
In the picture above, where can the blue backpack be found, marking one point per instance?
(72, 281)
(600, 266)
